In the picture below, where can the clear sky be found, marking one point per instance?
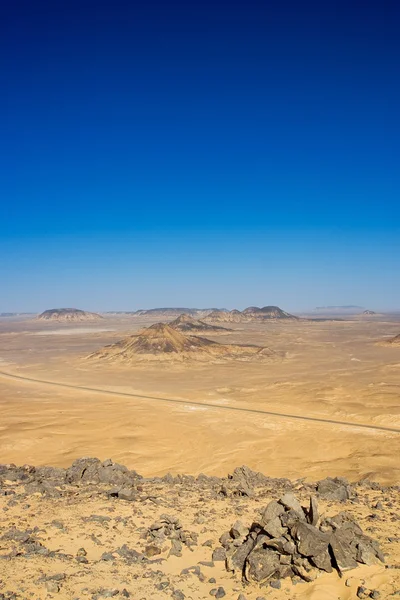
(199, 153)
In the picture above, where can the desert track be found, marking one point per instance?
(200, 404)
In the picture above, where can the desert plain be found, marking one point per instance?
(334, 370)
(326, 403)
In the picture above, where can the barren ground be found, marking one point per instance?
(328, 370)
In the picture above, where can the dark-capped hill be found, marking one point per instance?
(268, 312)
(186, 323)
(67, 315)
(160, 342)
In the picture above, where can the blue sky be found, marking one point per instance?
(200, 154)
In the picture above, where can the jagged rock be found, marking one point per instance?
(284, 544)
(130, 555)
(290, 518)
(323, 561)
(236, 560)
(219, 554)
(274, 509)
(337, 489)
(366, 554)
(176, 548)
(239, 530)
(128, 494)
(152, 550)
(342, 553)
(290, 501)
(310, 541)
(94, 471)
(313, 514)
(261, 565)
(274, 528)
(52, 587)
(225, 540)
(305, 574)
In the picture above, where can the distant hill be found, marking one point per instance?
(225, 316)
(174, 312)
(68, 315)
(342, 306)
(395, 341)
(160, 342)
(186, 323)
(346, 309)
(268, 312)
(369, 312)
(250, 314)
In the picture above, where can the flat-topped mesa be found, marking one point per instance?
(250, 314)
(187, 323)
(68, 315)
(163, 343)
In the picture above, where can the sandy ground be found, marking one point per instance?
(327, 370)
(88, 519)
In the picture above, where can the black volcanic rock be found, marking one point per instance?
(278, 547)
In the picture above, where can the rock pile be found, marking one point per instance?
(169, 528)
(83, 471)
(291, 541)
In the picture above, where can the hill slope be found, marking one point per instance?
(395, 341)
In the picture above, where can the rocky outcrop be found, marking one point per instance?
(337, 489)
(287, 540)
(70, 531)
